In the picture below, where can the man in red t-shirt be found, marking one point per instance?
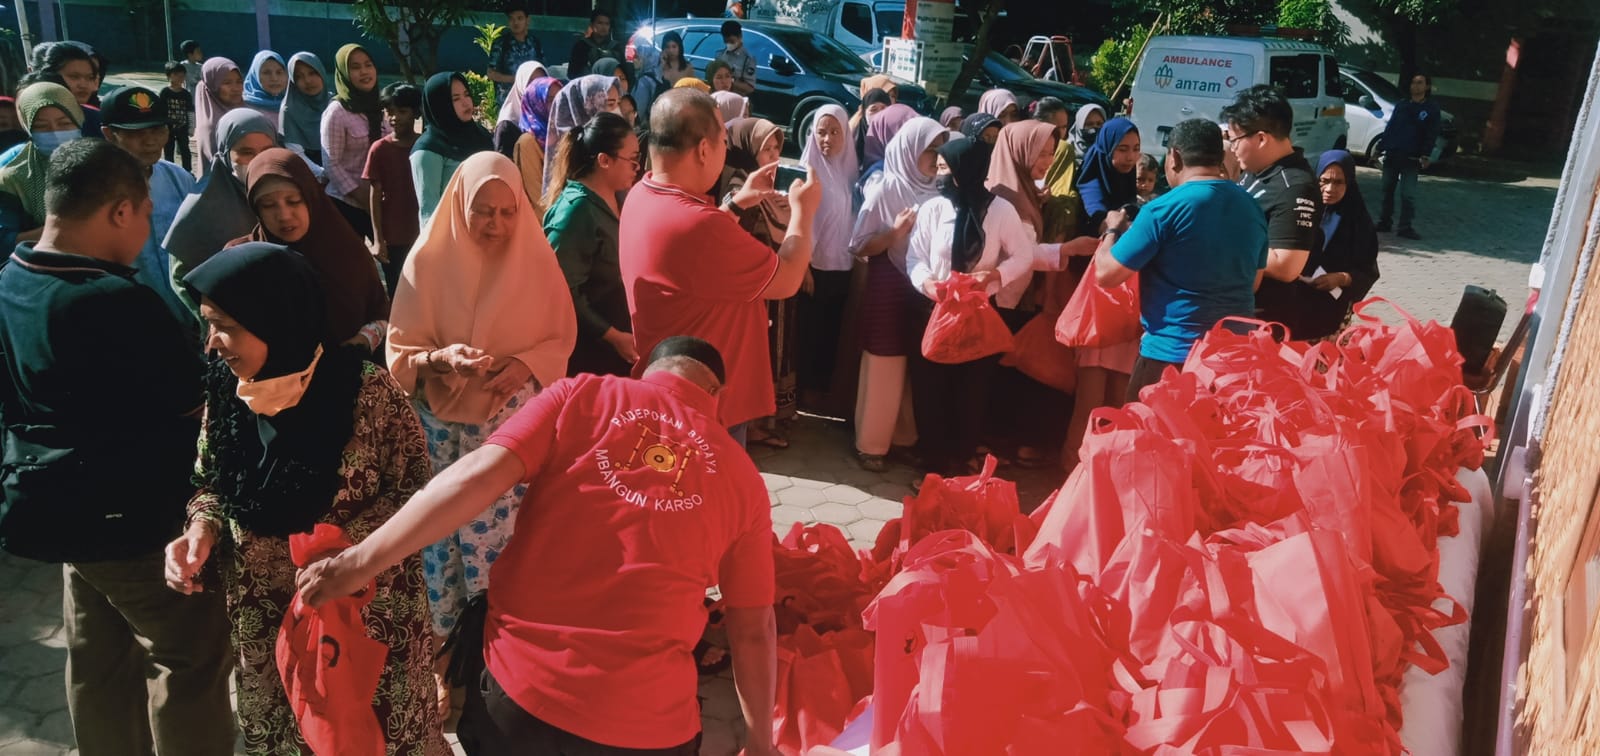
(687, 265)
(638, 500)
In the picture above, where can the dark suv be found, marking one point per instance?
(797, 70)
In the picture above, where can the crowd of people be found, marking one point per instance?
(535, 352)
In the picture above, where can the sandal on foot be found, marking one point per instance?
(872, 462)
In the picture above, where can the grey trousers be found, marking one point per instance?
(147, 667)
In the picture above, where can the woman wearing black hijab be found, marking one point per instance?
(295, 436)
(981, 127)
(876, 100)
(1341, 270)
(951, 401)
(450, 134)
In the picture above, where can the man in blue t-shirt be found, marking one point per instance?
(1199, 251)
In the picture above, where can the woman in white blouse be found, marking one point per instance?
(968, 229)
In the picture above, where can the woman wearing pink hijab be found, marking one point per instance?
(1022, 156)
(220, 90)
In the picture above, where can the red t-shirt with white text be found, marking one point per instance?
(638, 500)
(690, 270)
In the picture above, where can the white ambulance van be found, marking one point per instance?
(1195, 77)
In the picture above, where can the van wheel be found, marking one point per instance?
(804, 121)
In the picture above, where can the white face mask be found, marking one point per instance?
(242, 172)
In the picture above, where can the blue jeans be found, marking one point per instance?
(1401, 170)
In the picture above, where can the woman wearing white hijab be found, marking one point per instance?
(831, 159)
(508, 127)
(883, 406)
(1086, 126)
(580, 100)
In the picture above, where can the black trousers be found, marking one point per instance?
(396, 264)
(178, 143)
(358, 218)
(950, 402)
(1145, 372)
(494, 725)
(821, 323)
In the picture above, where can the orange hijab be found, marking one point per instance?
(513, 304)
(1009, 174)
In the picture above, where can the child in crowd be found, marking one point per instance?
(1145, 181)
(193, 59)
(178, 104)
(394, 197)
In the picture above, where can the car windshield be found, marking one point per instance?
(819, 53)
(1383, 87)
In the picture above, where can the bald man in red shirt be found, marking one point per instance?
(638, 501)
(690, 269)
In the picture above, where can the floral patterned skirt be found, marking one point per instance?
(457, 567)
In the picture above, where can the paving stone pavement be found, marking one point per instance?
(1475, 231)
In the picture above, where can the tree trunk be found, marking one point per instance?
(980, 49)
(1405, 38)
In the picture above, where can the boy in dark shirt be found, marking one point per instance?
(178, 104)
(394, 197)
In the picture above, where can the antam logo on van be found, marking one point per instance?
(1165, 78)
(1191, 60)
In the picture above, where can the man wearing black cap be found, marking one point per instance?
(135, 120)
(638, 500)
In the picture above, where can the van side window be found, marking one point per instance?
(1297, 75)
(856, 18)
(1351, 92)
(1332, 86)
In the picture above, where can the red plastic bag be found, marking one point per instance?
(1099, 316)
(982, 504)
(819, 580)
(1129, 478)
(1308, 589)
(963, 327)
(821, 678)
(1039, 665)
(1038, 355)
(330, 668)
(944, 585)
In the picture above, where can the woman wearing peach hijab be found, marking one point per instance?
(1022, 156)
(482, 321)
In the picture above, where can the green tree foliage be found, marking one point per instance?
(483, 89)
(1115, 58)
(423, 23)
(1316, 15)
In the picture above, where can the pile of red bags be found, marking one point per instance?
(1247, 558)
(826, 658)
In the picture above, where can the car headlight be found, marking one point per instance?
(851, 90)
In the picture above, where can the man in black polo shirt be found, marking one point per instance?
(99, 399)
(1259, 122)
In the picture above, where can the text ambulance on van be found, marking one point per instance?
(1195, 77)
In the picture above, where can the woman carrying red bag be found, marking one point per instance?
(1106, 182)
(1030, 412)
(964, 230)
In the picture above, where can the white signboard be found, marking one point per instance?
(934, 21)
(902, 59)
